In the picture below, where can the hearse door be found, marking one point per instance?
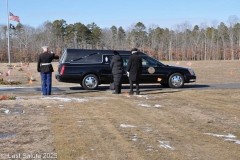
(106, 71)
(125, 62)
(151, 71)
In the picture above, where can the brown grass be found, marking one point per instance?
(162, 124)
(208, 72)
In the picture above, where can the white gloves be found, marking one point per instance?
(128, 74)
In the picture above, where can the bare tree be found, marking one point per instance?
(204, 32)
(106, 38)
(232, 20)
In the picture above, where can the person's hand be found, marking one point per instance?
(128, 74)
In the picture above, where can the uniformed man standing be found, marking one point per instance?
(45, 68)
(134, 67)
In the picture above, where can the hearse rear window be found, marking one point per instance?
(94, 58)
(83, 57)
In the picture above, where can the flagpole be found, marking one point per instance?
(9, 62)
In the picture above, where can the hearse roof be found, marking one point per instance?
(79, 51)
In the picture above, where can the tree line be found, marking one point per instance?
(182, 42)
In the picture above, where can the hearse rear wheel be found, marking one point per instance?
(90, 82)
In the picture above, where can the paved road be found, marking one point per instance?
(76, 89)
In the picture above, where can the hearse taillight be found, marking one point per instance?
(62, 69)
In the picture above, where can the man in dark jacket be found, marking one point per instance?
(44, 66)
(117, 71)
(134, 67)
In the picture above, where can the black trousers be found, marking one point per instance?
(131, 85)
(118, 88)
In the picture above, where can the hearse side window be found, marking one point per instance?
(63, 58)
(147, 61)
(125, 60)
(107, 59)
(86, 58)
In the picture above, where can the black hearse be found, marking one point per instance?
(91, 68)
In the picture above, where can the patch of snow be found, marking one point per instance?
(165, 144)
(98, 98)
(228, 137)
(58, 98)
(80, 100)
(143, 96)
(134, 138)
(231, 136)
(149, 148)
(127, 126)
(233, 140)
(157, 105)
(144, 105)
(6, 111)
(148, 130)
(220, 135)
(64, 99)
(18, 99)
(6, 135)
(60, 106)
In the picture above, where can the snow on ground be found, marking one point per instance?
(228, 137)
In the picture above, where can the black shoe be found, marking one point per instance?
(131, 93)
(138, 93)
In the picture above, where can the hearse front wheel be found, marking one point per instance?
(90, 82)
(176, 80)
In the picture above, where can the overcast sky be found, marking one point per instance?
(125, 13)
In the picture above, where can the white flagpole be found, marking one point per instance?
(9, 62)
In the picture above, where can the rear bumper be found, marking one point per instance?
(68, 78)
(57, 76)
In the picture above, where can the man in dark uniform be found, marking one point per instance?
(45, 68)
(117, 71)
(134, 67)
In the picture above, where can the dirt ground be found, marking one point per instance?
(162, 124)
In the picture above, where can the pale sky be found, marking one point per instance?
(125, 13)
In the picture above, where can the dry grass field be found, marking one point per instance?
(156, 125)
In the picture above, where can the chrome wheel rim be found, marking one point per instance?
(91, 82)
(177, 81)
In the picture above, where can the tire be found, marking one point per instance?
(176, 80)
(90, 82)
